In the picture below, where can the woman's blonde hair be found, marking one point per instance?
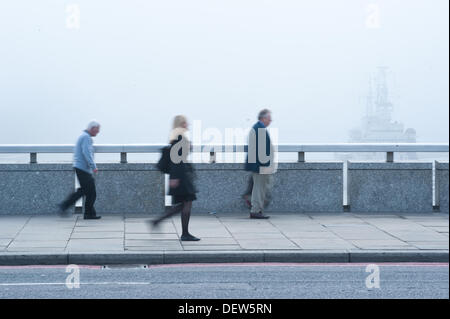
(179, 120)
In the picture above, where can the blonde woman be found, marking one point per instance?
(181, 180)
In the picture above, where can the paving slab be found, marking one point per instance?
(4, 226)
(145, 228)
(151, 236)
(320, 243)
(37, 244)
(258, 236)
(211, 241)
(8, 234)
(252, 229)
(5, 242)
(439, 229)
(45, 228)
(303, 228)
(413, 236)
(97, 235)
(99, 229)
(364, 235)
(206, 232)
(306, 234)
(137, 220)
(430, 245)
(267, 244)
(380, 244)
(154, 248)
(31, 250)
(152, 242)
(211, 247)
(42, 237)
(433, 223)
(95, 245)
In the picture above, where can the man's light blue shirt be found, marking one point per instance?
(84, 153)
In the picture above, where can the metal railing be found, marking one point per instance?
(300, 149)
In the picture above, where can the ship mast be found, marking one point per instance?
(383, 106)
(369, 99)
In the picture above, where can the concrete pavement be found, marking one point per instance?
(312, 237)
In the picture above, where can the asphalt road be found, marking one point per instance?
(229, 281)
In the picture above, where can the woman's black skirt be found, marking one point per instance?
(183, 198)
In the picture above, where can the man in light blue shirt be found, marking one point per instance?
(83, 158)
(85, 167)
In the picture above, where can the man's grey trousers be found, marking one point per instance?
(262, 184)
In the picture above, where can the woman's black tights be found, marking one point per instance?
(185, 208)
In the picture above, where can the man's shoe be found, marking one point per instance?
(189, 237)
(92, 217)
(152, 224)
(258, 216)
(62, 211)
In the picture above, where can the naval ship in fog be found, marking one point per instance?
(377, 126)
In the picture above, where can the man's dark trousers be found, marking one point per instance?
(87, 189)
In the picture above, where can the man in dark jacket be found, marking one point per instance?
(260, 161)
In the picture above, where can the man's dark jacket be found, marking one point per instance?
(258, 128)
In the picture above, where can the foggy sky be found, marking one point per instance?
(133, 65)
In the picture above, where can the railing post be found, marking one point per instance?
(212, 157)
(390, 157)
(33, 158)
(436, 204)
(346, 181)
(123, 158)
(301, 157)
